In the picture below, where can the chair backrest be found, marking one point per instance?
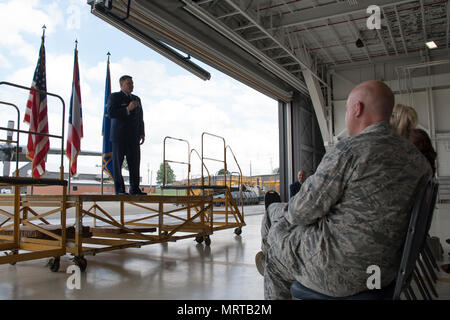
(419, 225)
(434, 191)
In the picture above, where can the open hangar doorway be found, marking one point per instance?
(307, 55)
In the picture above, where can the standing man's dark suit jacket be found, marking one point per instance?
(124, 126)
(295, 188)
(126, 130)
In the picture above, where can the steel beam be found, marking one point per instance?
(318, 101)
(330, 11)
(448, 23)
(316, 95)
(154, 44)
(340, 76)
(424, 82)
(401, 29)
(273, 38)
(349, 56)
(382, 41)
(179, 37)
(227, 15)
(357, 34)
(422, 12)
(321, 46)
(311, 79)
(266, 62)
(390, 31)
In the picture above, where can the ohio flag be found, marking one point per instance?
(75, 132)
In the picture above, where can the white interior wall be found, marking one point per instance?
(419, 100)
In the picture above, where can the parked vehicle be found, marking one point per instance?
(249, 197)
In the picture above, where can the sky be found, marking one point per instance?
(175, 102)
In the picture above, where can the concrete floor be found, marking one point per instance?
(183, 270)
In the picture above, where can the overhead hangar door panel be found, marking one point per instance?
(307, 147)
(301, 138)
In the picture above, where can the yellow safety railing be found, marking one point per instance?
(188, 163)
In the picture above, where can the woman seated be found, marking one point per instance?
(423, 142)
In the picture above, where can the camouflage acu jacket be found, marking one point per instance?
(354, 211)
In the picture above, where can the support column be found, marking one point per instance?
(318, 103)
(284, 147)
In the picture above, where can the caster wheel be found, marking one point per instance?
(81, 263)
(238, 231)
(207, 240)
(10, 254)
(199, 239)
(54, 264)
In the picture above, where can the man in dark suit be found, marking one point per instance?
(295, 187)
(127, 134)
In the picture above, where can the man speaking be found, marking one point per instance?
(127, 134)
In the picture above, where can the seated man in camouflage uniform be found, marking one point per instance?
(352, 213)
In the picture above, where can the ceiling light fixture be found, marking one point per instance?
(359, 43)
(431, 45)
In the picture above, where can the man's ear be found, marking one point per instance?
(359, 107)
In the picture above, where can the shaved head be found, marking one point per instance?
(368, 103)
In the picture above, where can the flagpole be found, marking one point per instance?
(61, 170)
(37, 151)
(70, 165)
(108, 54)
(43, 32)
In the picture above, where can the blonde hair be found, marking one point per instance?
(404, 119)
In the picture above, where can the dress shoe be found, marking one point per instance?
(260, 261)
(122, 193)
(138, 193)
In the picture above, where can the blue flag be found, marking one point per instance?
(107, 148)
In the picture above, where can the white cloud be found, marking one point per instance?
(22, 18)
(4, 62)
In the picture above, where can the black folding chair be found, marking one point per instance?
(419, 226)
(427, 261)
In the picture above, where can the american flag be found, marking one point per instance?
(75, 120)
(36, 116)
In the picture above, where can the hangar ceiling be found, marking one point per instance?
(269, 44)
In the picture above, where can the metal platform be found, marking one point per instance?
(163, 219)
